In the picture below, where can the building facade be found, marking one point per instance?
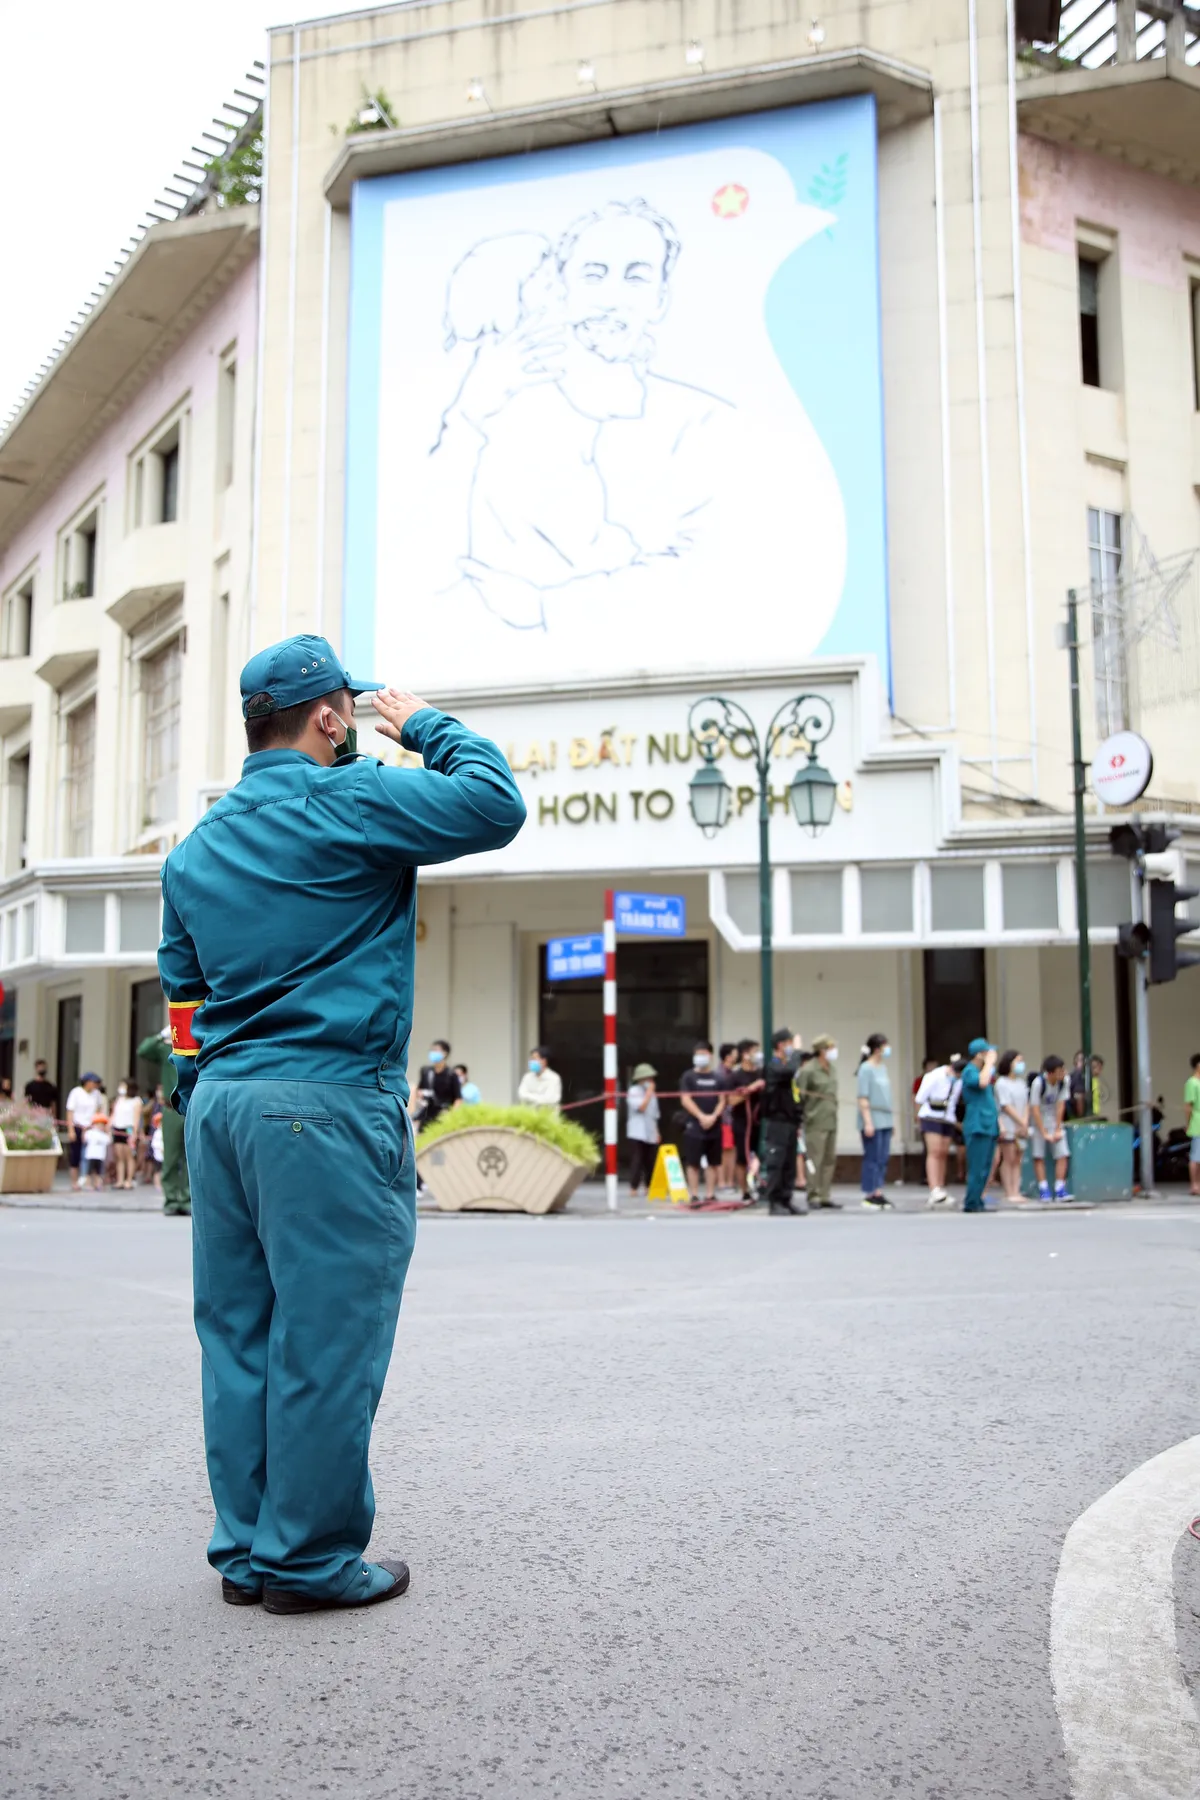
(904, 346)
(124, 578)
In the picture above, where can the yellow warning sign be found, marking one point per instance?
(667, 1182)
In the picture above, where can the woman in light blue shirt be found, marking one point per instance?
(875, 1119)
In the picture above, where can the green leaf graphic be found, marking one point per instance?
(828, 186)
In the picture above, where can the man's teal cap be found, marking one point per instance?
(978, 1047)
(300, 668)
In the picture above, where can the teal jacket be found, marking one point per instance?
(289, 911)
(981, 1115)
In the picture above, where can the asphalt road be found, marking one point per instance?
(711, 1507)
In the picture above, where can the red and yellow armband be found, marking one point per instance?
(180, 1013)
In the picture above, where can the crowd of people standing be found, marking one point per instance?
(115, 1142)
(751, 1127)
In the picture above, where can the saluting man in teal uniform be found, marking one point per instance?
(287, 960)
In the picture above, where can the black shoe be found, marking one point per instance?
(233, 1595)
(783, 1209)
(178, 1212)
(282, 1600)
(877, 1203)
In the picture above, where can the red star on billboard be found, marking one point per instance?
(730, 201)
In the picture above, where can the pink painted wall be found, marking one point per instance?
(1158, 220)
(191, 368)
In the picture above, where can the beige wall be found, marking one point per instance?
(1130, 446)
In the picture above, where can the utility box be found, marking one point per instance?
(1101, 1165)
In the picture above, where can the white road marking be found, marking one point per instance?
(1131, 1730)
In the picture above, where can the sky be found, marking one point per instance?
(99, 100)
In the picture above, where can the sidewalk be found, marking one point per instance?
(588, 1202)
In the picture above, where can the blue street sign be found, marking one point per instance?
(570, 959)
(651, 915)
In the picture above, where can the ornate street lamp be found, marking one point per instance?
(813, 792)
(709, 795)
(714, 721)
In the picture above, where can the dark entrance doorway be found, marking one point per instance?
(955, 1001)
(662, 1008)
(147, 1010)
(70, 1028)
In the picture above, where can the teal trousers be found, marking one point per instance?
(303, 1220)
(980, 1151)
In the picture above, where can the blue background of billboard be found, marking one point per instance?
(822, 313)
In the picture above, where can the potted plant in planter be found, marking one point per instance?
(504, 1159)
(29, 1149)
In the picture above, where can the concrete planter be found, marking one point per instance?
(27, 1171)
(491, 1168)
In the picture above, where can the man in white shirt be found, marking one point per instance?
(540, 1086)
(83, 1102)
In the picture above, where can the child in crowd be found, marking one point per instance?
(156, 1147)
(96, 1142)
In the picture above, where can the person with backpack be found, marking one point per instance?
(1048, 1100)
(981, 1120)
(937, 1088)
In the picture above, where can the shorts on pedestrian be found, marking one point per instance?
(93, 1165)
(1058, 1152)
(75, 1152)
(936, 1128)
(697, 1144)
(1008, 1131)
(1194, 1150)
(727, 1134)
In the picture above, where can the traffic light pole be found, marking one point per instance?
(1137, 887)
(1081, 891)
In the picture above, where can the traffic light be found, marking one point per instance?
(1137, 839)
(1166, 958)
(1133, 941)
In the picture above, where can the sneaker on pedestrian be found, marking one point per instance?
(1044, 1190)
(937, 1197)
(877, 1203)
(1060, 1191)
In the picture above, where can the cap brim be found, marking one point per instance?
(363, 687)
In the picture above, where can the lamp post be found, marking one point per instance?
(812, 792)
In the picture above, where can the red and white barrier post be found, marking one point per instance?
(610, 1052)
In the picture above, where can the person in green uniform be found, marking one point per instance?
(981, 1120)
(817, 1088)
(289, 925)
(176, 1193)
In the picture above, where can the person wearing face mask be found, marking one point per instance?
(539, 1085)
(934, 1100)
(817, 1088)
(287, 958)
(1012, 1105)
(125, 1123)
(702, 1091)
(438, 1086)
(873, 1090)
(981, 1120)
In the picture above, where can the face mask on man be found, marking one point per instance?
(701, 1059)
(535, 1067)
(437, 1056)
(349, 744)
(831, 1053)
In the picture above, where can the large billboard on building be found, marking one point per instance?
(617, 408)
